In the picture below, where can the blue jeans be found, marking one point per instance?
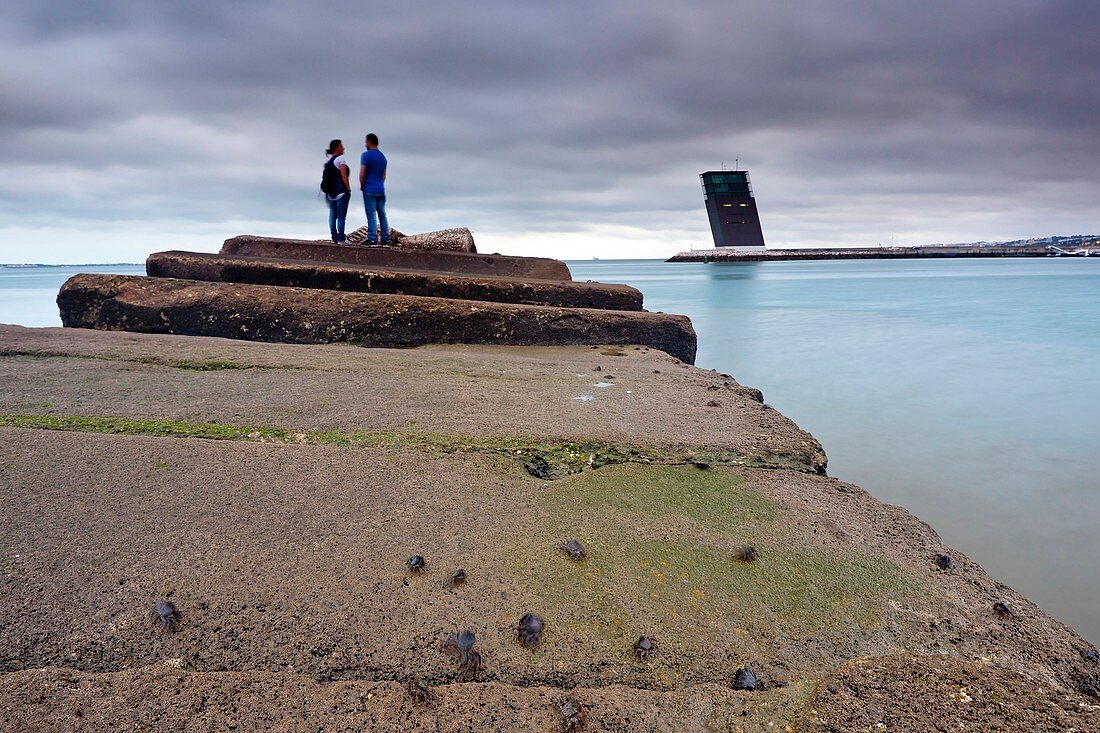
(375, 204)
(337, 215)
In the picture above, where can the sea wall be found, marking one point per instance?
(391, 280)
(867, 253)
(314, 316)
(465, 263)
(206, 533)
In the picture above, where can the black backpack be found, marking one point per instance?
(332, 183)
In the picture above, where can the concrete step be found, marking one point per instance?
(394, 281)
(465, 263)
(309, 316)
(459, 239)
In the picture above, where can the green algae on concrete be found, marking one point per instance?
(193, 365)
(714, 497)
(661, 544)
(543, 458)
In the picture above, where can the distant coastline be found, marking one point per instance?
(78, 264)
(1055, 246)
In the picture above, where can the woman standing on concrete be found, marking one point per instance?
(337, 190)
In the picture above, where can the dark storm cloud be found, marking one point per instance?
(552, 117)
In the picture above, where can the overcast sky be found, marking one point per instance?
(565, 129)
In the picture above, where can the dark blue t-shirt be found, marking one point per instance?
(376, 168)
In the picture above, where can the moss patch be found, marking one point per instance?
(195, 365)
(205, 365)
(661, 543)
(159, 428)
(559, 458)
(714, 497)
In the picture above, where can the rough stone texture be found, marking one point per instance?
(297, 315)
(438, 388)
(464, 263)
(287, 558)
(357, 278)
(165, 699)
(453, 240)
(908, 693)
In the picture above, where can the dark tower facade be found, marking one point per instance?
(734, 221)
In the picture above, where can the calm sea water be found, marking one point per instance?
(967, 391)
(28, 295)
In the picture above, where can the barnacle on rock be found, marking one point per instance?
(746, 679)
(458, 577)
(529, 630)
(420, 691)
(461, 644)
(165, 616)
(645, 647)
(573, 715)
(574, 549)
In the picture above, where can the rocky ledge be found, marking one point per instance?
(461, 263)
(314, 316)
(294, 291)
(211, 534)
(391, 280)
(460, 239)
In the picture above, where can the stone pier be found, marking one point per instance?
(306, 292)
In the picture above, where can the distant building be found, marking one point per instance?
(734, 221)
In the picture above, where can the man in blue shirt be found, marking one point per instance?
(372, 181)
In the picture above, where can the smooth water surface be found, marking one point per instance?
(28, 295)
(967, 391)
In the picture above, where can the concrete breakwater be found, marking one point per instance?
(295, 291)
(244, 533)
(274, 495)
(461, 263)
(391, 280)
(864, 253)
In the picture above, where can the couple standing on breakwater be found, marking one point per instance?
(372, 182)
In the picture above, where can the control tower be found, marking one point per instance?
(732, 209)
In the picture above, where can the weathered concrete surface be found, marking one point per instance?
(286, 554)
(646, 396)
(357, 278)
(465, 263)
(460, 239)
(455, 240)
(298, 315)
